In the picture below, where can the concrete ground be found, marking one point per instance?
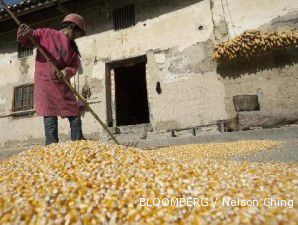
(288, 152)
(288, 135)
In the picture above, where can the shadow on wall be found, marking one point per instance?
(98, 15)
(8, 47)
(277, 59)
(98, 12)
(280, 23)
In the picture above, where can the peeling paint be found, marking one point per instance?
(2, 100)
(160, 58)
(194, 59)
(24, 66)
(96, 85)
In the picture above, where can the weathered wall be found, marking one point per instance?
(178, 57)
(277, 94)
(242, 15)
(272, 77)
(177, 37)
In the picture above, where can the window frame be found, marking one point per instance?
(29, 106)
(128, 13)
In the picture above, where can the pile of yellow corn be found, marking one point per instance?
(91, 183)
(252, 43)
(214, 150)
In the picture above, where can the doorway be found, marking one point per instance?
(129, 95)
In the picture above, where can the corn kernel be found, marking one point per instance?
(88, 182)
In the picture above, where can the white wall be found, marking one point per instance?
(172, 42)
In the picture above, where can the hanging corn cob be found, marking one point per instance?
(253, 42)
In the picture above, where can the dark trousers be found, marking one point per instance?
(51, 128)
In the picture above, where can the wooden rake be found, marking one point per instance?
(87, 107)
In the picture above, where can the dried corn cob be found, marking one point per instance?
(251, 43)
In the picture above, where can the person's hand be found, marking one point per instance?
(25, 31)
(82, 107)
(59, 76)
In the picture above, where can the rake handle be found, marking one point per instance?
(33, 41)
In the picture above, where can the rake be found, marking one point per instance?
(86, 105)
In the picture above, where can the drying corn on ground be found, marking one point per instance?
(91, 183)
(252, 43)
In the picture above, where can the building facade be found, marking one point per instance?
(149, 67)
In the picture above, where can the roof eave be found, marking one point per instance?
(32, 8)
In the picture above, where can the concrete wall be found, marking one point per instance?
(178, 45)
(273, 78)
(178, 38)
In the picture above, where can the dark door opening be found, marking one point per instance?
(131, 94)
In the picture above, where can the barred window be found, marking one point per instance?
(124, 17)
(24, 51)
(23, 98)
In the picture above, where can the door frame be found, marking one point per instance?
(110, 86)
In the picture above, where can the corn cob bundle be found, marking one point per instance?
(90, 183)
(252, 43)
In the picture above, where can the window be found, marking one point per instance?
(23, 98)
(124, 17)
(24, 51)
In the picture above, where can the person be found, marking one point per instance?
(52, 97)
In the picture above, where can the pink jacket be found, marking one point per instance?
(52, 98)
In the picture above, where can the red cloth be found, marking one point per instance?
(51, 98)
